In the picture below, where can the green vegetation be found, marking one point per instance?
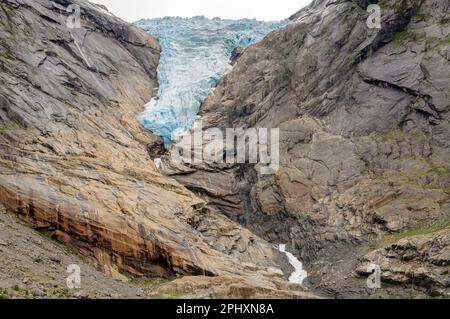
(67, 249)
(402, 38)
(6, 19)
(399, 135)
(122, 272)
(422, 229)
(9, 13)
(443, 172)
(384, 5)
(8, 54)
(445, 189)
(3, 294)
(22, 292)
(10, 127)
(443, 203)
(172, 295)
(427, 170)
(147, 282)
(438, 41)
(411, 169)
(422, 15)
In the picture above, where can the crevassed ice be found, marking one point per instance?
(195, 55)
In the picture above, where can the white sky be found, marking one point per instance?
(268, 10)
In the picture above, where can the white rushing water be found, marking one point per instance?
(195, 55)
(299, 275)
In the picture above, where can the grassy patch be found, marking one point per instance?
(384, 5)
(420, 230)
(438, 41)
(440, 171)
(9, 13)
(421, 15)
(435, 186)
(148, 282)
(172, 295)
(48, 234)
(444, 204)
(22, 292)
(8, 55)
(399, 135)
(3, 294)
(9, 127)
(403, 37)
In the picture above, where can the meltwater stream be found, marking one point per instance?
(195, 55)
(299, 275)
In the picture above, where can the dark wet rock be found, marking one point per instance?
(236, 54)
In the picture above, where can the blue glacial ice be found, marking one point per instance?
(195, 55)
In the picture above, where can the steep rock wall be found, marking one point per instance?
(364, 120)
(74, 160)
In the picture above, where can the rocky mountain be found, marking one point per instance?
(74, 161)
(364, 179)
(364, 148)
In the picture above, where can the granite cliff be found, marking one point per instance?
(364, 147)
(75, 165)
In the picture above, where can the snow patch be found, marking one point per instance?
(158, 163)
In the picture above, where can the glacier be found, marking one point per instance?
(195, 55)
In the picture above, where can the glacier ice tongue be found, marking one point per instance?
(195, 55)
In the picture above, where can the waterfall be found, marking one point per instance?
(299, 275)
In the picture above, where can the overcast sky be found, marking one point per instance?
(269, 10)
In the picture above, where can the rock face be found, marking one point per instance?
(33, 266)
(421, 261)
(74, 159)
(364, 123)
(236, 54)
(364, 173)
